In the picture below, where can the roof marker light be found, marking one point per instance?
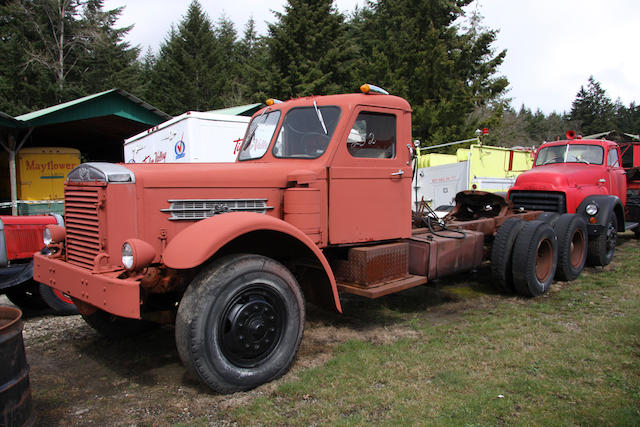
(368, 88)
(272, 101)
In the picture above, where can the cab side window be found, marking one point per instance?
(613, 159)
(373, 136)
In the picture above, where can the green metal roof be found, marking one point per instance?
(8, 121)
(240, 110)
(115, 102)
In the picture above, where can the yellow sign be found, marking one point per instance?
(43, 170)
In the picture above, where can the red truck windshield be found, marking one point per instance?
(571, 153)
(305, 133)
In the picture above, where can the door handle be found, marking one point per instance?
(400, 172)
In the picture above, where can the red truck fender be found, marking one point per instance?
(197, 243)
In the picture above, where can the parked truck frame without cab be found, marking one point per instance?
(318, 204)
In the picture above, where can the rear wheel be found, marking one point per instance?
(572, 246)
(58, 301)
(240, 323)
(535, 257)
(602, 248)
(501, 253)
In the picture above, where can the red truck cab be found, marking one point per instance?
(582, 176)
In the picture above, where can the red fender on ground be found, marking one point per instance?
(189, 249)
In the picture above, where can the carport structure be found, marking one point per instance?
(96, 125)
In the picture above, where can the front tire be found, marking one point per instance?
(603, 247)
(58, 301)
(240, 323)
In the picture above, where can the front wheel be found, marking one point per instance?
(240, 323)
(603, 246)
(60, 302)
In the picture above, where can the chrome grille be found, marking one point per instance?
(200, 209)
(82, 225)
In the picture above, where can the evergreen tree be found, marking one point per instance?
(57, 50)
(309, 50)
(192, 67)
(251, 85)
(416, 51)
(110, 62)
(592, 109)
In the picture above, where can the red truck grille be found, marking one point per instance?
(82, 224)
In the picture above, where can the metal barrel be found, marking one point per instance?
(16, 408)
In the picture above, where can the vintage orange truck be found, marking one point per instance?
(317, 204)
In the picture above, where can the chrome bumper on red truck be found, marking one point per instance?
(116, 296)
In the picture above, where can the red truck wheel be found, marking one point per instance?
(57, 300)
(572, 246)
(501, 253)
(240, 323)
(535, 258)
(603, 247)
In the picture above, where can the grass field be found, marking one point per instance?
(456, 352)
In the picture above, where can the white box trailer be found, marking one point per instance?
(192, 137)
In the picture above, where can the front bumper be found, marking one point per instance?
(102, 290)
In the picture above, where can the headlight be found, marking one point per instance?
(53, 234)
(591, 209)
(46, 237)
(127, 256)
(137, 254)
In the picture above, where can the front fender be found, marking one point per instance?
(606, 205)
(197, 243)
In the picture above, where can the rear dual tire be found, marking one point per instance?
(535, 258)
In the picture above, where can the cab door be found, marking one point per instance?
(617, 175)
(370, 178)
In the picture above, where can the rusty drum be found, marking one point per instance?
(16, 408)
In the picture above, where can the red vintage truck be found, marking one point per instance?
(585, 177)
(317, 204)
(20, 238)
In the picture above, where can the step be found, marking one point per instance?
(384, 288)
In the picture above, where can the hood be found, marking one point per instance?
(558, 176)
(223, 175)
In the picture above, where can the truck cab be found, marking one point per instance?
(583, 176)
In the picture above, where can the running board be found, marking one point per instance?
(384, 288)
(630, 225)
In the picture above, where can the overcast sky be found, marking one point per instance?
(553, 46)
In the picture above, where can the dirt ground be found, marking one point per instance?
(80, 378)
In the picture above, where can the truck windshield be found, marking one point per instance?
(259, 135)
(306, 132)
(571, 153)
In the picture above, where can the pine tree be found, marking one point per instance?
(192, 65)
(309, 50)
(592, 109)
(416, 51)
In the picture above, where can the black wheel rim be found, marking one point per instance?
(612, 236)
(251, 325)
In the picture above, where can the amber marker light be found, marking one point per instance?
(369, 88)
(272, 101)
